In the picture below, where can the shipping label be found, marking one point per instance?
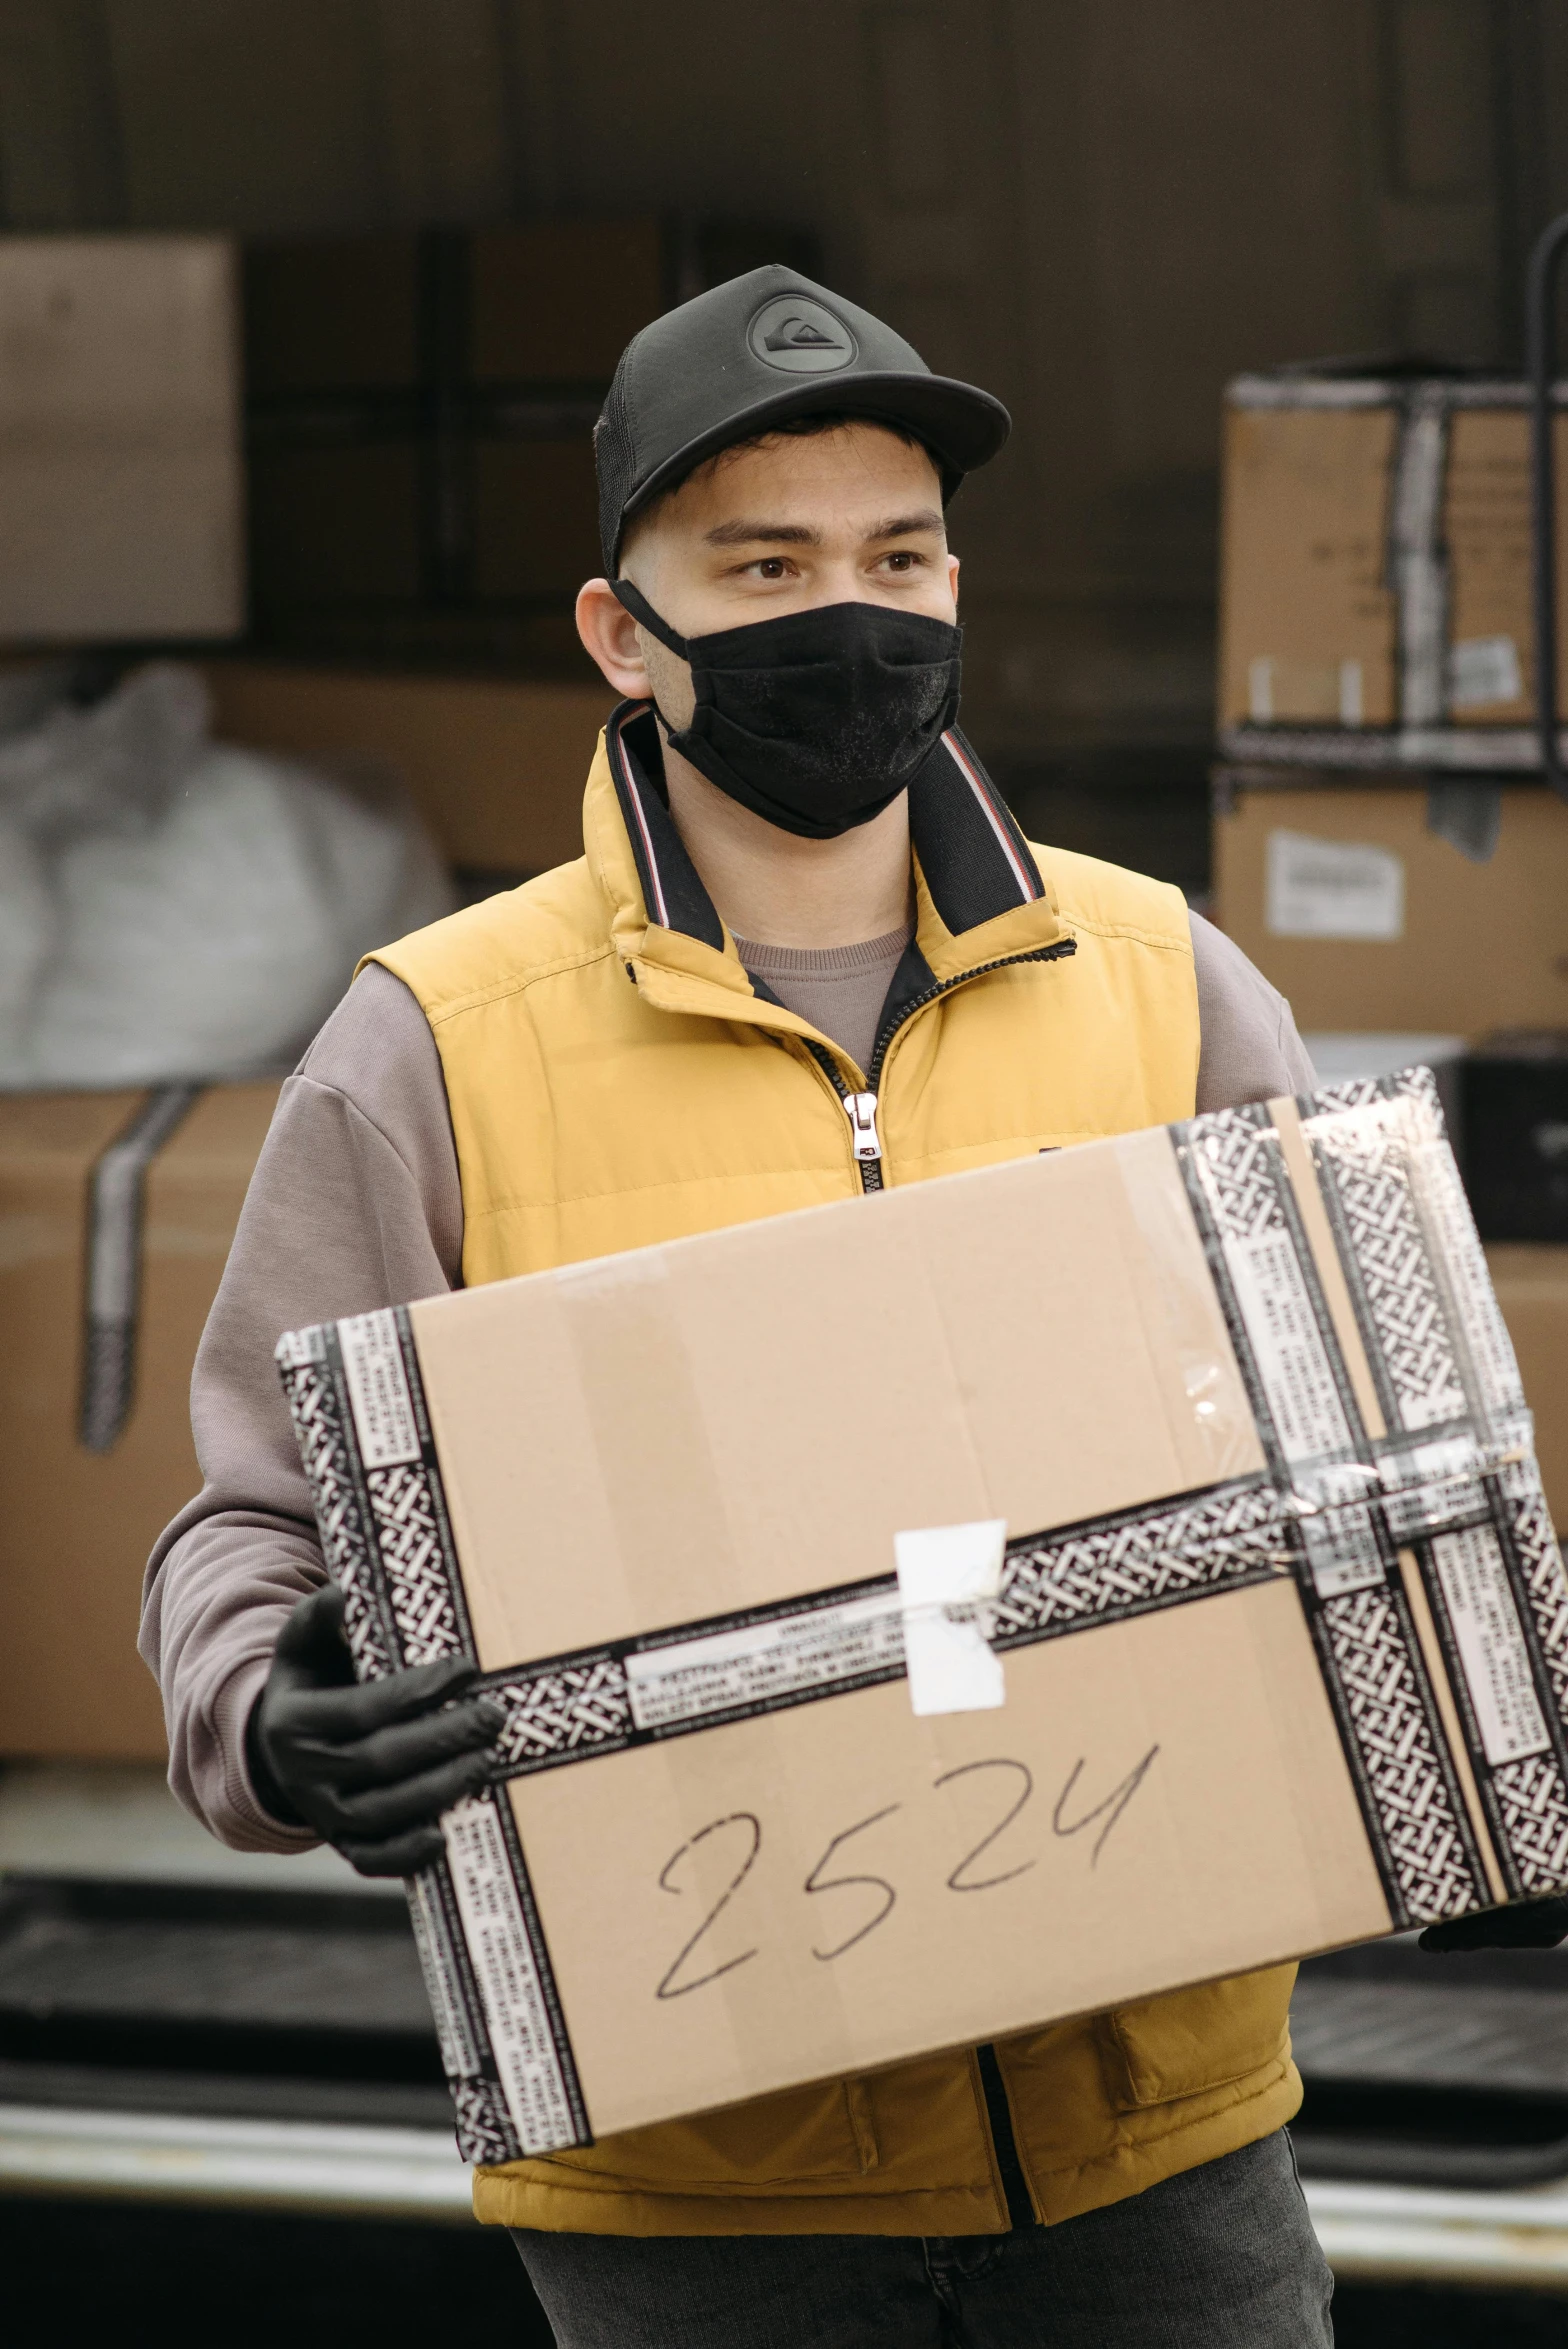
(1332, 889)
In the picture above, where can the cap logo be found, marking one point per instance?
(800, 337)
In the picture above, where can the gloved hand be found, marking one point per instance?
(1531, 1924)
(371, 1767)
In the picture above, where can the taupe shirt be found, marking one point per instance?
(355, 1205)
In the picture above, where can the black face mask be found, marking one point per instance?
(816, 720)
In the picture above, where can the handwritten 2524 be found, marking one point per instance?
(847, 1922)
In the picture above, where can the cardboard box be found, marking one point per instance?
(116, 1213)
(496, 767)
(1366, 918)
(1532, 1288)
(799, 1775)
(121, 492)
(1375, 571)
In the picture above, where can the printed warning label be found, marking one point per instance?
(508, 1977)
(725, 1671)
(378, 1390)
(1287, 1345)
(1491, 1645)
(438, 1963)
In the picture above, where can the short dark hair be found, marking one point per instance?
(830, 420)
(788, 428)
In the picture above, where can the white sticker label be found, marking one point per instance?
(1484, 670)
(1491, 1645)
(378, 1390)
(508, 1979)
(948, 1576)
(1332, 889)
(763, 1661)
(1321, 690)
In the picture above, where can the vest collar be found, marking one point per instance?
(980, 896)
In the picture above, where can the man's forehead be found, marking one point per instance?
(852, 476)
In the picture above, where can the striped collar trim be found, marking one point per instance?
(672, 895)
(975, 861)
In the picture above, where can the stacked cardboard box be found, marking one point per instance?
(1375, 604)
(1366, 916)
(121, 499)
(95, 1444)
(116, 1213)
(496, 765)
(1384, 848)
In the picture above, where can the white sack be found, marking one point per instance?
(174, 908)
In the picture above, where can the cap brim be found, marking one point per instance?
(963, 426)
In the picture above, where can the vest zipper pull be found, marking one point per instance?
(861, 1109)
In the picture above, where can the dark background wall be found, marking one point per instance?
(1099, 208)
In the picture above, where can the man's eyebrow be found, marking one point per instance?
(748, 533)
(908, 525)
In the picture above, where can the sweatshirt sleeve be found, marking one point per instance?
(355, 1204)
(1249, 1049)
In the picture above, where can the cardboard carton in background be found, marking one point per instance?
(1309, 607)
(1394, 928)
(731, 1846)
(121, 477)
(496, 766)
(1303, 566)
(497, 770)
(75, 1527)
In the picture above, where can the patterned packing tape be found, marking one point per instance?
(1461, 1493)
(1447, 1478)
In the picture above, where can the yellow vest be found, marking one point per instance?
(615, 1079)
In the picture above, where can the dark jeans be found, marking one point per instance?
(1223, 2257)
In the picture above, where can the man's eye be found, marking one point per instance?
(771, 567)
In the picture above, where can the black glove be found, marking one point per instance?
(1530, 1924)
(370, 1766)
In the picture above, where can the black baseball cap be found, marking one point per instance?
(756, 351)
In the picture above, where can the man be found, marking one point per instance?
(807, 954)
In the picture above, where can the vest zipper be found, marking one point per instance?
(865, 1141)
(861, 1108)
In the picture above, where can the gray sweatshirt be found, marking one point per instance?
(355, 1205)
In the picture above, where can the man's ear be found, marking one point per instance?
(609, 636)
